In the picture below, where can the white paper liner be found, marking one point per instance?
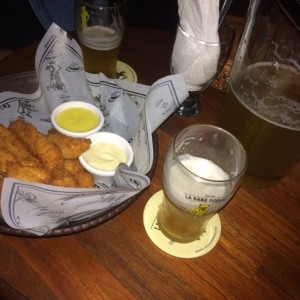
(131, 110)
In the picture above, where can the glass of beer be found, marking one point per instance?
(100, 27)
(202, 172)
(262, 108)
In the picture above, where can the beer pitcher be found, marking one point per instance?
(262, 106)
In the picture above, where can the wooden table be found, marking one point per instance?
(257, 256)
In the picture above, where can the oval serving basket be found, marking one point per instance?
(27, 83)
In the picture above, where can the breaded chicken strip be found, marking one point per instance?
(40, 146)
(5, 159)
(29, 173)
(84, 178)
(11, 143)
(68, 180)
(70, 147)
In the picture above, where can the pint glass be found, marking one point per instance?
(202, 171)
(100, 26)
(262, 108)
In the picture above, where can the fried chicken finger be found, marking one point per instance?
(11, 143)
(40, 146)
(84, 178)
(5, 158)
(28, 173)
(70, 147)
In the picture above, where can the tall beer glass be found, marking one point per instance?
(262, 108)
(202, 171)
(100, 26)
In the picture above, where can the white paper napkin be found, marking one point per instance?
(191, 57)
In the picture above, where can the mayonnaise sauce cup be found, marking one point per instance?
(106, 152)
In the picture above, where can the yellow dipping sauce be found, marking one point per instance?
(104, 156)
(77, 119)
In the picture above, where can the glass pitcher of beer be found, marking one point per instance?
(262, 107)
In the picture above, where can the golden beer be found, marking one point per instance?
(188, 205)
(263, 111)
(100, 47)
(178, 224)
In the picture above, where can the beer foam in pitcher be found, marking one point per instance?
(100, 37)
(271, 90)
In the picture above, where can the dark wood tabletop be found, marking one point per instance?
(256, 257)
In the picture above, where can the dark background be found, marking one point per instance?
(20, 26)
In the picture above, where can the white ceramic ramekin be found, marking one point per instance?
(79, 104)
(108, 138)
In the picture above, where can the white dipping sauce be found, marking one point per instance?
(105, 156)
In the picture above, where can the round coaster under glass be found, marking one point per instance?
(125, 72)
(206, 242)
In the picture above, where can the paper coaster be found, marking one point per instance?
(201, 246)
(125, 72)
